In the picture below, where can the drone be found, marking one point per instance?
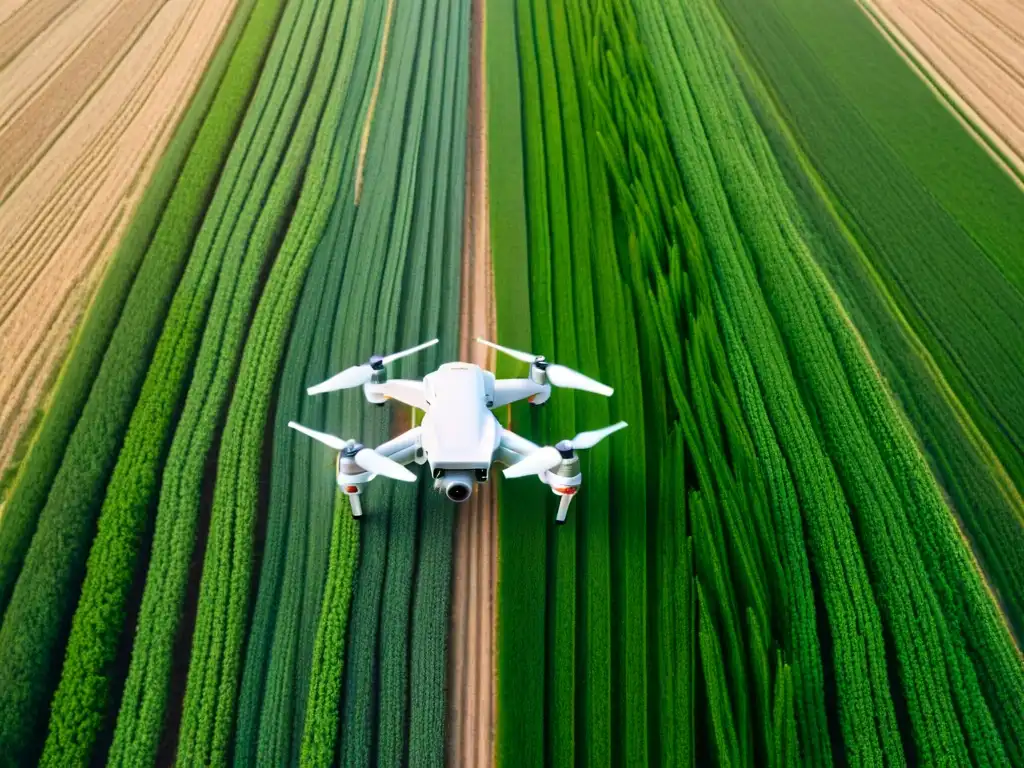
(458, 436)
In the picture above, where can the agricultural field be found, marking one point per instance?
(787, 234)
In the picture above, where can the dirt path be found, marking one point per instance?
(471, 690)
(974, 50)
(87, 147)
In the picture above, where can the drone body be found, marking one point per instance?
(459, 438)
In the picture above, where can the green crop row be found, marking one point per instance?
(216, 661)
(786, 427)
(252, 206)
(418, 568)
(416, 197)
(955, 706)
(721, 507)
(80, 705)
(908, 180)
(320, 729)
(522, 518)
(39, 615)
(986, 500)
(295, 554)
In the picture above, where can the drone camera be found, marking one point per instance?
(456, 485)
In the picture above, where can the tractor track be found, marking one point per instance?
(471, 650)
(67, 193)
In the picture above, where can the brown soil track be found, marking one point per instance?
(974, 49)
(86, 109)
(471, 690)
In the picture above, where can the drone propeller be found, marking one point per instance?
(367, 458)
(358, 375)
(548, 457)
(559, 375)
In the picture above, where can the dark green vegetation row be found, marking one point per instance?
(65, 474)
(404, 287)
(785, 549)
(933, 278)
(81, 705)
(283, 280)
(375, 284)
(245, 236)
(621, 592)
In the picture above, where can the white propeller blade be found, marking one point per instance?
(379, 464)
(406, 352)
(355, 376)
(559, 375)
(548, 457)
(526, 357)
(567, 378)
(358, 375)
(329, 440)
(367, 458)
(589, 439)
(537, 462)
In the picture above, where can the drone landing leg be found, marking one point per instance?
(357, 506)
(563, 508)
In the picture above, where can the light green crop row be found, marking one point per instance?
(216, 662)
(39, 617)
(252, 209)
(81, 702)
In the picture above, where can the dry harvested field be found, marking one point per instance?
(974, 51)
(90, 93)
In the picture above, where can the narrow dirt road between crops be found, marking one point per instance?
(471, 650)
(974, 49)
(89, 98)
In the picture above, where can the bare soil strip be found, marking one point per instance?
(471, 700)
(63, 219)
(975, 51)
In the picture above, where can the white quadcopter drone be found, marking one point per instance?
(459, 437)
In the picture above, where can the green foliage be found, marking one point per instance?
(81, 702)
(302, 490)
(522, 516)
(940, 222)
(216, 661)
(321, 721)
(42, 605)
(988, 504)
(240, 231)
(881, 471)
(431, 605)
